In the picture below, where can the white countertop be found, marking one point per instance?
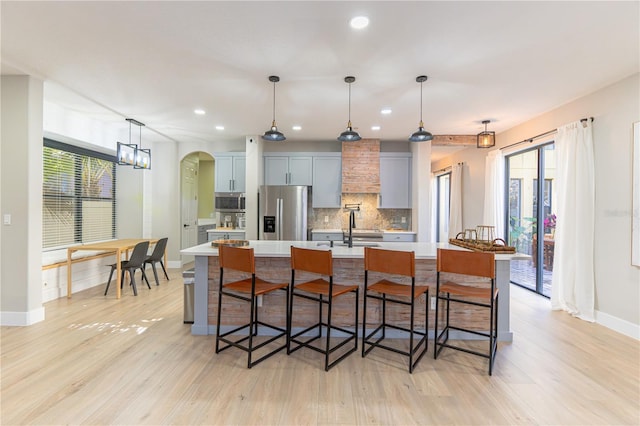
(227, 230)
(264, 248)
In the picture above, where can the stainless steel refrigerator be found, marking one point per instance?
(282, 212)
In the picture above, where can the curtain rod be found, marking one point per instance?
(541, 135)
(447, 168)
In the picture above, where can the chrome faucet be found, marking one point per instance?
(352, 220)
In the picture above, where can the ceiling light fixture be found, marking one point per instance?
(199, 112)
(296, 128)
(219, 127)
(486, 139)
(132, 154)
(385, 111)
(375, 127)
(359, 22)
(273, 135)
(421, 135)
(349, 135)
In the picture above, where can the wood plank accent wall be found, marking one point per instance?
(361, 167)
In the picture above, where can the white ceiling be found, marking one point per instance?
(158, 61)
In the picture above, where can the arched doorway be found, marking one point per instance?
(196, 197)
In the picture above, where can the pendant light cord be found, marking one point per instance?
(349, 104)
(421, 122)
(274, 101)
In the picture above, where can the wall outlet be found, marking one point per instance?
(259, 301)
(403, 220)
(433, 303)
(326, 219)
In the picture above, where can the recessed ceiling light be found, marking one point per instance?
(199, 111)
(359, 22)
(296, 128)
(385, 111)
(219, 127)
(375, 127)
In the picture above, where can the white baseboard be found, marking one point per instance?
(174, 264)
(22, 318)
(616, 324)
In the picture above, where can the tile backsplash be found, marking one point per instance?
(369, 216)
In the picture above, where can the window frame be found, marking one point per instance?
(78, 197)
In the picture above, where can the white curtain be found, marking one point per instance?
(455, 209)
(494, 193)
(573, 284)
(433, 211)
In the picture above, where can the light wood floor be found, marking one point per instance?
(97, 360)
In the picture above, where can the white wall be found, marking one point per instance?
(21, 200)
(615, 109)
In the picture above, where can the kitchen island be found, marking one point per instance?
(273, 264)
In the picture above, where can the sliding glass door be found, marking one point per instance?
(531, 216)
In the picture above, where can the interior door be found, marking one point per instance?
(189, 201)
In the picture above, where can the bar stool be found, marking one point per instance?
(320, 262)
(476, 264)
(247, 289)
(399, 263)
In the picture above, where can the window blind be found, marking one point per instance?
(79, 200)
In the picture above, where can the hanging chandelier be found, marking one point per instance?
(132, 154)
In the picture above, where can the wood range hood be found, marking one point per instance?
(361, 167)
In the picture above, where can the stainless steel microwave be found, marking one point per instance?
(229, 202)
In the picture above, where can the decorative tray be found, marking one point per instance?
(233, 243)
(498, 245)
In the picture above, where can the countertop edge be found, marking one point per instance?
(282, 249)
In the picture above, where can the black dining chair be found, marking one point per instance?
(135, 262)
(156, 257)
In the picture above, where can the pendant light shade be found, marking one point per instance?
(349, 135)
(273, 135)
(486, 139)
(421, 135)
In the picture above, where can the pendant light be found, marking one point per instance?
(349, 135)
(421, 135)
(273, 135)
(131, 154)
(486, 139)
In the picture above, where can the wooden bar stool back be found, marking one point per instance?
(399, 263)
(247, 289)
(475, 264)
(323, 291)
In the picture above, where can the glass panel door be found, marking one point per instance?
(530, 178)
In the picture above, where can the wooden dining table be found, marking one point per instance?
(116, 246)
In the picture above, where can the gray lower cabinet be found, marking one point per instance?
(226, 235)
(202, 233)
(326, 236)
(398, 237)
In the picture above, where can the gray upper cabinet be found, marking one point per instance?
(327, 182)
(395, 182)
(230, 173)
(288, 170)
